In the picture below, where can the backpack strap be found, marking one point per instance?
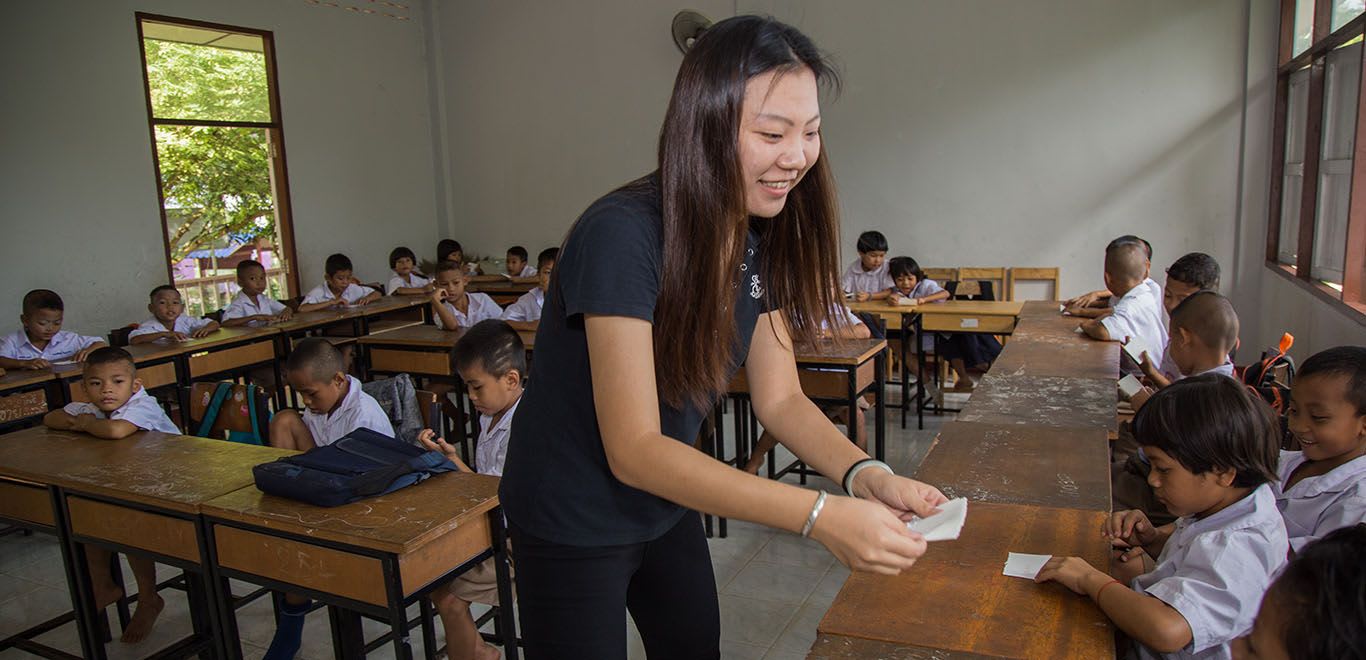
(211, 414)
(251, 408)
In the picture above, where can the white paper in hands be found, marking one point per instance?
(945, 525)
(1025, 566)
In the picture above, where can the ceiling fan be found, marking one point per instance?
(688, 25)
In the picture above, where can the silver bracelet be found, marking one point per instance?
(859, 467)
(811, 517)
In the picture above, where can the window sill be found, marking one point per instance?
(1354, 311)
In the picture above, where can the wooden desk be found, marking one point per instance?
(372, 557)
(421, 350)
(1042, 353)
(1033, 465)
(1047, 401)
(956, 601)
(504, 292)
(25, 396)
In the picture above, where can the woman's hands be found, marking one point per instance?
(866, 536)
(905, 497)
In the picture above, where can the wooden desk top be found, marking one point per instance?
(399, 522)
(163, 349)
(849, 352)
(17, 378)
(382, 306)
(417, 336)
(1039, 309)
(1033, 465)
(967, 307)
(502, 286)
(1048, 401)
(839, 647)
(157, 469)
(955, 598)
(1032, 353)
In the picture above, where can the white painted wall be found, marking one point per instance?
(78, 202)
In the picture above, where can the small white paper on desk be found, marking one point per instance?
(62, 363)
(1135, 350)
(1021, 565)
(945, 525)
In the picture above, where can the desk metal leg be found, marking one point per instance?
(880, 406)
(78, 578)
(507, 622)
(348, 639)
(919, 375)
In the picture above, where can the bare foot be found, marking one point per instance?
(143, 618)
(106, 595)
(487, 651)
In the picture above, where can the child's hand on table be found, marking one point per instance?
(861, 296)
(204, 332)
(37, 363)
(285, 315)
(1070, 572)
(84, 353)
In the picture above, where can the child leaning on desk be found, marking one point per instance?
(966, 352)
(251, 306)
(118, 407)
(42, 341)
(338, 289)
(1186, 590)
(169, 322)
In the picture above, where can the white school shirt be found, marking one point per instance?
(527, 308)
(242, 306)
(857, 280)
(1138, 314)
(1315, 506)
(924, 289)
(63, 345)
(414, 281)
(141, 410)
(481, 308)
(850, 318)
(1214, 572)
(492, 447)
(527, 271)
(349, 295)
(184, 324)
(357, 410)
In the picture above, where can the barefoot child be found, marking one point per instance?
(119, 408)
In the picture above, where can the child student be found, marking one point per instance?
(1193, 272)
(338, 289)
(42, 341)
(867, 277)
(251, 307)
(1213, 450)
(1101, 298)
(455, 308)
(1323, 486)
(406, 280)
(491, 361)
(334, 405)
(169, 321)
(525, 314)
(516, 263)
(119, 408)
(1314, 609)
(448, 249)
(963, 351)
(1137, 312)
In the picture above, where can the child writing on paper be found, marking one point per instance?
(1323, 486)
(118, 408)
(517, 264)
(867, 278)
(169, 322)
(525, 314)
(491, 361)
(455, 308)
(42, 341)
(1185, 590)
(1314, 609)
(406, 280)
(965, 352)
(338, 289)
(1136, 316)
(251, 306)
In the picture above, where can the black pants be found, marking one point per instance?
(573, 600)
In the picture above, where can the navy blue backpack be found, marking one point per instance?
(362, 464)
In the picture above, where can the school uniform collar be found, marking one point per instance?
(122, 410)
(538, 294)
(351, 400)
(1225, 369)
(1337, 479)
(1239, 515)
(21, 338)
(504, 423)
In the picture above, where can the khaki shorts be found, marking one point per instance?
(479, 584)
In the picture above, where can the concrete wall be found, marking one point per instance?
(78, 200)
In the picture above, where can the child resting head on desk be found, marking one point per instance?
(334, 404)
(491, 361)
(525, 313)
(42, 341)
(169, 322)
(339, 288)
(1202, 331)
(452, 306)
(1213, 449)
(118, 407)
(1314, 610)
(251, 306)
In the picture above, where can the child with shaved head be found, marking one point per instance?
(1137, 312)
(334, 404)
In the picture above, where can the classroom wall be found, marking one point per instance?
(1268, 304)
(77, 193)
(971, 132)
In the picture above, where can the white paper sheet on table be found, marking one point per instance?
(1021, 565)
(62, 363)
(945, 525)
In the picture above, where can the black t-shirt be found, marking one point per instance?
(556, 481)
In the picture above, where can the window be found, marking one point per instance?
(1316, 234)
(218, 150)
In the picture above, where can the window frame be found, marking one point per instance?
(1352, 298)
(274, 132)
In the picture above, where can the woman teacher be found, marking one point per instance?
(724, 255)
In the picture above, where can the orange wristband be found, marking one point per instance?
(1103, 588)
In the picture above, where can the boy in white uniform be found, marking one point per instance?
(169, 321)
(1137, 313)
(118, 408)
(42, 341)
(525, 314)
(251, 306)
(338, 289)
(1323, 486)
(452, 306)
(516, 265)
(867, 277)
(491, 360)
(334, 403)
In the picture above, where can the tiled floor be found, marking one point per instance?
(774, 587)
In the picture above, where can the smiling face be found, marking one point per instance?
(1185, 493)
(166, 307)
(1325, 422)
(779, 137)
(110, 385)
(906, 282)
(42, 325)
